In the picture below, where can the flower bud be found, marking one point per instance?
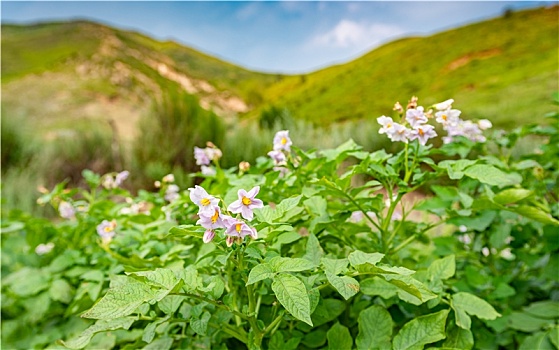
(244, 166)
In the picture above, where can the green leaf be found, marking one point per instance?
(335, 266)
(474, 306)
(461, 317)
(512, 195)
(288, 204)
(502, 291)
(190, 277)
(313, 252)
(455, 168)
(149, 331)
(83, 339)
(161, 278)
(314, 339)
(61, 290)
(375, 328)
(280, 264)
(27, 281)
(420, 331)
(410, 289)
(346, 286)
(378, 286)
(458, 338)
(339, 337)
(358, 257)
(200, 325)
(527, 323)
(259, 273)
(535, 214)
(327, 310)
(267, 214)
(292, 294)
(120, 301)
(187, 230)
(544, 309)
(160, 344)
(442, 269)
(491, 175)
(537, 341)
(170, 303)
(554, 336)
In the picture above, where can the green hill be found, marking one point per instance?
(61, 75)
(503, 69)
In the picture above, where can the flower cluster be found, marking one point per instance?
(282, 147)
(111, 181)
(167, 185)
(419, 129)
(416, 119)
(204, 157)
(212, 217)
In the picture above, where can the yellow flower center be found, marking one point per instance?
(421, 132)
(389, 125)
(108, 229)
(205, 202)
(283, 140)
(246, 201)
(444, 117)
(215, 216)
(238, 227)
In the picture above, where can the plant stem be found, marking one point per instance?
(274, 323)
(237, 333)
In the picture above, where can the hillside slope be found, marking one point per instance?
(62, 75)
(501, 69)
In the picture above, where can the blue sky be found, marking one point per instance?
(284, 36)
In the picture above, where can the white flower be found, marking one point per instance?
(416, 117)
(282, 141)
(423, 133)
(399, 133)
(465, 238)
(387, 124)
(66, 210)
(207, 170)
(43, 249)
(106, 230)
(448, 117)
(444, 105)
(169, 178)
(462, 228)
(484, 124)
(485, 251)
(203, 200)
(120, 177)
(172, 193)
(507, 254)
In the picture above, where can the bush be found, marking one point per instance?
(294, 253)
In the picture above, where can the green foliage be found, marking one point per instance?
(170, 131)
(337, 256)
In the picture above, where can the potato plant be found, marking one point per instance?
(442, 247)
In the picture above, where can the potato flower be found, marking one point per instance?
(246, 203)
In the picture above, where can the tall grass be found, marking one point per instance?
(30, 161)
(169, 133)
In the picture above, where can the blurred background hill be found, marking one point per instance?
(81, 95)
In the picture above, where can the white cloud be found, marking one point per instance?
(361, 35)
